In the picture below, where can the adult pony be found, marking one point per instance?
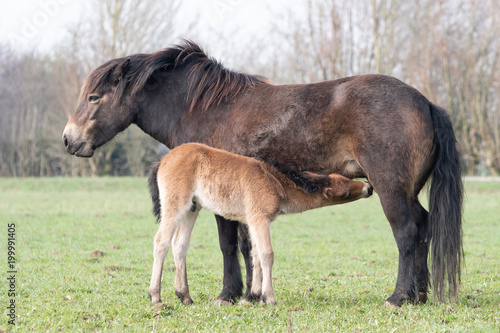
(371, 126)
(194, 176)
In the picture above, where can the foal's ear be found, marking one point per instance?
(119, 71)
(332, 193)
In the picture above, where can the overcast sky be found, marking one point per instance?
(41, 23)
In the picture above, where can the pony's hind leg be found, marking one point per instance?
(420, 215)
(405, 230)
(162, 242)
(180, 247)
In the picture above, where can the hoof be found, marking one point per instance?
(156, 301)
(188, 301)
(253, 298)
(422, 297)
(393, 301)
(387, 303)
(244, 301)
(158, 307)
(221, 302)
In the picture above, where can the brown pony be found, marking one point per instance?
(194, 176)
(371, 126)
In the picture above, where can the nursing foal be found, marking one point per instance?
(194, 176)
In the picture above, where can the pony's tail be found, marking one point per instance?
(445, 208)
(154, 191)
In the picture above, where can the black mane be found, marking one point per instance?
(309, 185)
(209, 82)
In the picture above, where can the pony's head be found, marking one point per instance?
(102, 112)
(114, 92)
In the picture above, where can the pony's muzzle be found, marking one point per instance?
(74, 144)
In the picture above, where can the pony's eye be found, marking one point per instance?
(93, 98)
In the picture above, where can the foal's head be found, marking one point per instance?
(342, 189)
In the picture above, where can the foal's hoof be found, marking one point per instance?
(158, 307)
(187, 301)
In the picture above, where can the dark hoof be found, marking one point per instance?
(252, 298)
(422, 297)
(395, 301)
(229, 297)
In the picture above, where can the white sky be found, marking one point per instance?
(41, 23)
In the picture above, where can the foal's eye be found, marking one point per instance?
(94, 98)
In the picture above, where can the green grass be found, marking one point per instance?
(334, 267)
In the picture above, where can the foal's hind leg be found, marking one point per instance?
(180, 247)
(161, 246)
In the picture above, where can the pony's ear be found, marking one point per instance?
(119, 71)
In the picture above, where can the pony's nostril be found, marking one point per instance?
(65, 142)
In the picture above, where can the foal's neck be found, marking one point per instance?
(296, 199)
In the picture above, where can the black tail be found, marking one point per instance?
(309, 185)
(445, 208)
(154, 191)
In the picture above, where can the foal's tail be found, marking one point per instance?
(445, 208)
(154, 191)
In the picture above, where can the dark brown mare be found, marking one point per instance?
(371, 126)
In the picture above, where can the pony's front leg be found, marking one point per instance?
(232, 285)
(161, 246)
(261, 240)
(180, 247)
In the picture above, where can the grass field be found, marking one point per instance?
(84, 256)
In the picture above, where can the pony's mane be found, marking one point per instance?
(297, 177)
(208, 82)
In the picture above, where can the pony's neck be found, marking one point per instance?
(161, 111)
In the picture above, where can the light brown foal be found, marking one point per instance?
(194, 176)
